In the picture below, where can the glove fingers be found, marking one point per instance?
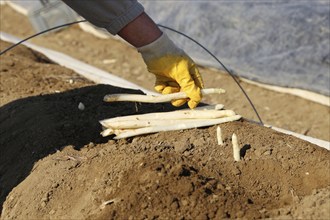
(186, 80)
(196, 76)
(198, 81)
(161, 83)
(159, 88)
(173, 89)
(178, 102)
(177, 73)
(192, 104)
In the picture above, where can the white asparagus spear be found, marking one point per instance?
(206, 107)
(110, 131)
(107, 132)
(122, 126)
(156, 99)
(219, 136)
(179, 126)
(188, 114)
(134, 124)
(236, 148)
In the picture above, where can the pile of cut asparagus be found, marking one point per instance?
(133, 125)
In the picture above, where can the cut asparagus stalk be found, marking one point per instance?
(134, 124)
(179, 126)
(183, 114)
(108, 131)
(236, 148)
(156, 99)
(219, 136)
(206, 107)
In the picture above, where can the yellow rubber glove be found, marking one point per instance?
(175, 71)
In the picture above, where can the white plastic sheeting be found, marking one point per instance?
(321, 143)
(278, 42)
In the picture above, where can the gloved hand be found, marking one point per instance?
(175, 71)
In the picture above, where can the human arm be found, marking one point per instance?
(174, 69)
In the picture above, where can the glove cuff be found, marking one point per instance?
(161, 47)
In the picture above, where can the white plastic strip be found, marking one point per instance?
(321, 143)
(100, 33)
(311, 96)
(18, 5)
